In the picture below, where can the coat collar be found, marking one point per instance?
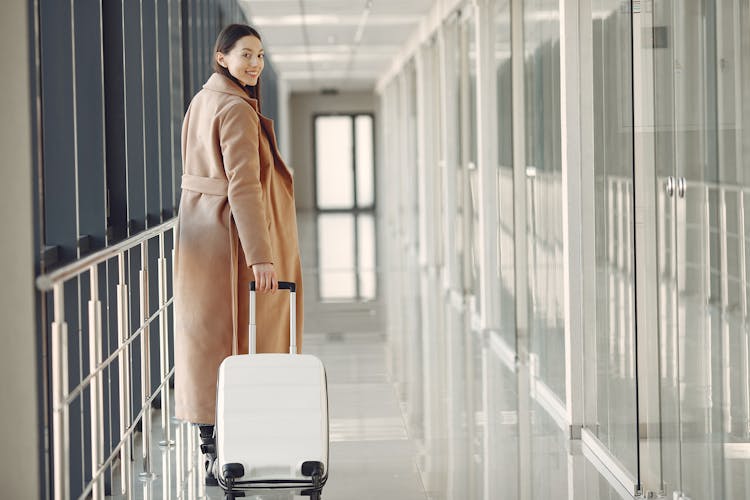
(220, 83)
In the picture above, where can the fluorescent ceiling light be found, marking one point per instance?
(382, 50)
(331, 75)
(310, 19)
(329, 56)
(332, 20)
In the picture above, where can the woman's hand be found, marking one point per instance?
(265, 277)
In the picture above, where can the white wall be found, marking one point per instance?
(19, 415)
(302, 108)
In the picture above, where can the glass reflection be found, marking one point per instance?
(614, 355)
(468, 191)
(506, 264)
(500, 439)
(544, 191)
(459, 393)
(733, 116)
(346, 252)
(697, 127)
(549, 464)
(366, 257)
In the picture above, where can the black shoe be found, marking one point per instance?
(208, 448)
(206, 433)
(209, 459)
(208, 464)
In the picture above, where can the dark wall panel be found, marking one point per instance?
(134, 134)
(89, 125)
(58, 138)
(163, 68)
(114, 106)
(151, 113)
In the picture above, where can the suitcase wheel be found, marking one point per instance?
(231, 495)
(230, 472)
(315, 471)
(313, 494)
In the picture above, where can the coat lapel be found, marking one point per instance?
(220, 83)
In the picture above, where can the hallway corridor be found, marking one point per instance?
(524, 229)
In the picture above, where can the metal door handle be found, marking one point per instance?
(669, 185)
(681, 187)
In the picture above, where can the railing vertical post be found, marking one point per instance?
(179, 462)
(60, 422)
(166, 472)
(164, 349)
(124, 371)
(97, 408)
(145, 365)
(190, 460)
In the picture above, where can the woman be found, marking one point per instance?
(237, 223)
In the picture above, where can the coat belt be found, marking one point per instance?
(205, 185)
(219, 187)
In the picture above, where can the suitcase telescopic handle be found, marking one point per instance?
(283, 285)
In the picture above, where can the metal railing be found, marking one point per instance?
(63, 396)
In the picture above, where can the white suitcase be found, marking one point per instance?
(272, 417)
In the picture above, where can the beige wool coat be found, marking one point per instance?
(237, 209)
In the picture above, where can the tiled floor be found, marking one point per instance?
(371, 454)
(376, 455)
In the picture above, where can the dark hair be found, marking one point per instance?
(225, 42)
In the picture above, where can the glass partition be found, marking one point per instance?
(733, 48)
(614, 406)
(467, 173)
(544, 192)
(506, 230)
(688, 245)
(670, 106)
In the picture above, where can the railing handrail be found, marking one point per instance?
(63, 397)
(46, 282)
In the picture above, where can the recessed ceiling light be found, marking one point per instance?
(310, 19)
(387, 20)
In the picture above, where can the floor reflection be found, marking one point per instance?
(346, 256)
(477, 436)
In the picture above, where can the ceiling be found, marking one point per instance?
(334, 44)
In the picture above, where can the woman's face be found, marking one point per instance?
(245, 60)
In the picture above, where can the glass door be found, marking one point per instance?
(732, 193)
(677, 65)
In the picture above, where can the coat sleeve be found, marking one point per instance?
(239, 138)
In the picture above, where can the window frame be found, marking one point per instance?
(355, 204)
